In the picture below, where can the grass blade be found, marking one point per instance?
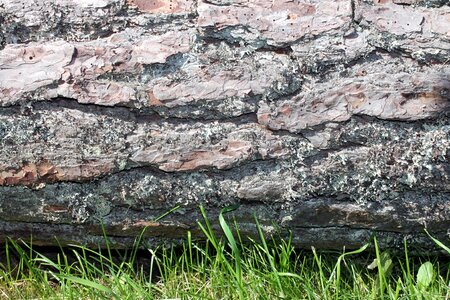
(87, 283)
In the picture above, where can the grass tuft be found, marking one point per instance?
(223, 267)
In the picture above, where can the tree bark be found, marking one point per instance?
(328, 119)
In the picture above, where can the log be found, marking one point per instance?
(326, 120)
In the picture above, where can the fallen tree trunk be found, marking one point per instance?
(328, 119)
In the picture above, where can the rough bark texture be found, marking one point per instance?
(327, 118)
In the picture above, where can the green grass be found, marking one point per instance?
(221, 268)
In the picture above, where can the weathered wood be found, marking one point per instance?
(326, 118)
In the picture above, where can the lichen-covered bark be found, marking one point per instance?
(328, 119)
